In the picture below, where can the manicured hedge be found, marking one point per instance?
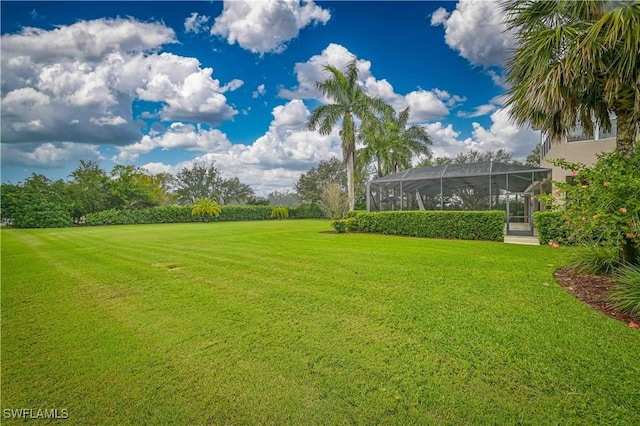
(182, 214)
(463, 225)
(349, 224)
(551, 227)
(307, 211)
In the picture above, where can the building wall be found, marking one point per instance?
(576, 152)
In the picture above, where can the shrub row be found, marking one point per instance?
(307, 211)
(463, 225)
(551, 227)
(182, 214)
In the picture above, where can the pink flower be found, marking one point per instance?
(623, 210)
(606, 184)
(574, 172)
(555, 245)
(556, 192)
(634, 325)
(551, 242)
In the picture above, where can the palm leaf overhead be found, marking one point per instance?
(349, 103)
(576, 61)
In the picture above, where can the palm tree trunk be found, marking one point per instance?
(350, 185)
(625, 138)
(626, 133)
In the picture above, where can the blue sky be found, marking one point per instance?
(164, 85)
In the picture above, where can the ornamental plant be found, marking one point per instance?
(602, 204)
(280, 212)
(206, 207)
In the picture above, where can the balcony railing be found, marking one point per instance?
(578, 135)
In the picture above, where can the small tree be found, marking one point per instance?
(206, 207)
(334, 204)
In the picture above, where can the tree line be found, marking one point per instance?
(90, 189)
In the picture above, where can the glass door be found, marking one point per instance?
(520, 213)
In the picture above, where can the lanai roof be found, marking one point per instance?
(459, 170)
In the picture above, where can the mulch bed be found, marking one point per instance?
(593, 290)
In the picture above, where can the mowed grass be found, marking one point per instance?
(279, 322)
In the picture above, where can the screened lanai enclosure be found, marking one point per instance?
(473, 186)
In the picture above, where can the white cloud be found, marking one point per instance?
(108, 121)
(259, 91)
(189, 92)
(86, 40)
(440, 16)
(47, 155)
(196, 23)
(277, 158)
(498, 79)
(268, 25)
(480, 111)
(78, 83)
(502, 134)
(234, 84)
(445, 140)
(450, 100)
(178, 135)
(20, 100)
(425, 105)
(477, 30)
(308, 73)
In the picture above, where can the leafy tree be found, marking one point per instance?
(576, 61)
(309, 185)
(9, 195)
(472, 156)
(162, 186)
(232, 191)
(603, 203)
(200, 181)
(350, 103)
(286, 198)
(257, 201)
(131, 188)
(37, 203)
(533, 159)
(89, 187)
(390, 144)
(206, 207)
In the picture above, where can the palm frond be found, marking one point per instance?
(576, 61)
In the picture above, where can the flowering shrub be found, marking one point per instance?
(603, 203)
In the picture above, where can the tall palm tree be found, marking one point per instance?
(390, 144)
(350, 103)
(576, 61)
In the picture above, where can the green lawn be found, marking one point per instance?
(277, 322)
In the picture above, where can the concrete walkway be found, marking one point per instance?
(514, 239)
